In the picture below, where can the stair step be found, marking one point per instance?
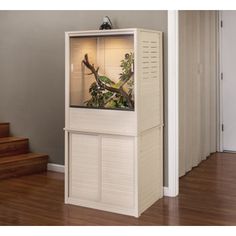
(24, 164)
(13, 146)
(15, 158)
(4, 129)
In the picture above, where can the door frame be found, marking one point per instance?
(220, 132)
(172, 189)
(220, 137)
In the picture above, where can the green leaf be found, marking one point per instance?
(111, 104)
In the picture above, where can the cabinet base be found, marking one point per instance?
(102, 207)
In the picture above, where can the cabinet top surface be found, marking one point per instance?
(109, 32)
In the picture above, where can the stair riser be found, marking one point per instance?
(4, 130)
(20, 169)
(14, 148)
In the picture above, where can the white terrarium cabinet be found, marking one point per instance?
(114, 157)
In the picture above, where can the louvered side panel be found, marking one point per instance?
(150, 168)
(84, 172)
(118, 171)
(150, 102)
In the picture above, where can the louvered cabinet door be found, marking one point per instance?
(84, 167)
(118, 171)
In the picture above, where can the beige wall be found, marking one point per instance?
(198, 66)
(32, 69)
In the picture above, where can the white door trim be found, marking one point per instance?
(220, 139)
(173, 105)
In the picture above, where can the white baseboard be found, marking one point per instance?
(56, 167)
(166, 192)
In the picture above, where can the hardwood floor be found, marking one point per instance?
(207, 197)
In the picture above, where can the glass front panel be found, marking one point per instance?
(102, 72)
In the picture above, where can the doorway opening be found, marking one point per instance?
(207, 84)
(197, 87)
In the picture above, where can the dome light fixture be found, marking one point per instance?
(106, 24)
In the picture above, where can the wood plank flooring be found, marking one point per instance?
(207, 197)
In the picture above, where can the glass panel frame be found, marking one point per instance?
(102, 72)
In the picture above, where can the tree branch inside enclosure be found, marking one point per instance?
(109, 85)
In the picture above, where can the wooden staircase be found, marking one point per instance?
(15, 157)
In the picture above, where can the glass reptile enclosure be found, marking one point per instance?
(102, 72)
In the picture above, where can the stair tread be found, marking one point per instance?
(11, 139)
(21, 157)
(4, 123)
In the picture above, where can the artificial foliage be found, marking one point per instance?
(105, 93)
